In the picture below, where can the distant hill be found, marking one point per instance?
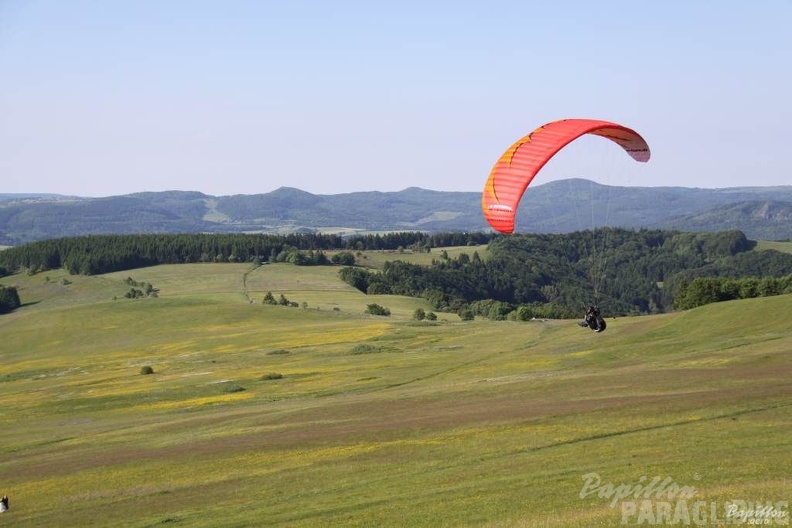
(765, 220)
(555, 207)
(27, 196)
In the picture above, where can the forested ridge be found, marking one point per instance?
(762, 213)
(557, 275)
(538, 275)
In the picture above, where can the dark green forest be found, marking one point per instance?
(622, 271)
(97, 254)
(537, 275)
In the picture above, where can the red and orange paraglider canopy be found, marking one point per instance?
(515, 169)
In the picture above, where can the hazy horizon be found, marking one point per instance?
(22, 194)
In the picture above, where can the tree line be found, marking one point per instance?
(706, 290)
(97, 254)
(537, 275)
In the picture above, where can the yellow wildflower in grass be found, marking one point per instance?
(467, 422)
(197, 402)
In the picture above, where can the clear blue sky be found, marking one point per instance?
(240, 97)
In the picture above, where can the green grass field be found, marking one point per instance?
(376, 421)
(784, 247)
(376, 259)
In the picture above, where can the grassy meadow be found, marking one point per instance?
(321, 415)
(376, 259)
(783, 246)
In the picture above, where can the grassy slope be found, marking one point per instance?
(784, 247)
(376, 259)
(449, 424)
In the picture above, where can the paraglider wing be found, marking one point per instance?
(515, 169)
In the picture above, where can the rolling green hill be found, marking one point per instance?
(374, 421)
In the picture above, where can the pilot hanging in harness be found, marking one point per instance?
(593, 319)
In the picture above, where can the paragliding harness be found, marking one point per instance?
(594, 320)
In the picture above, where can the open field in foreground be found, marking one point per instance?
(376, 421)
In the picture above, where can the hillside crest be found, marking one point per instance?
(555, 207)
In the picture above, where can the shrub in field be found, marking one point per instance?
(9, 299)
(146, 370)
(371, 349)
(466, 315)
(145, 287)
(344, 258)
(271, 376)
(231, 387)
(376, 309)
